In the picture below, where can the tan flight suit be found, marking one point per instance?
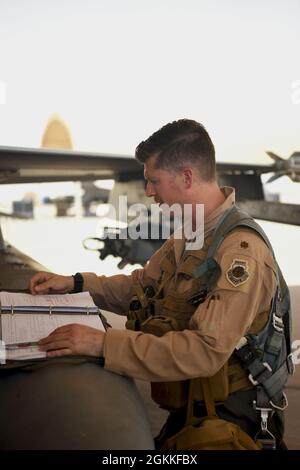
(217, 324)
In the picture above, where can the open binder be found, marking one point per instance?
(48, 309)
(25, 319)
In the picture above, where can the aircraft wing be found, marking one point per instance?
(28, 165)
(226, 168)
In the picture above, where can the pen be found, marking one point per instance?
(12, 346)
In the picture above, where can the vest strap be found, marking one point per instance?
(274, 384)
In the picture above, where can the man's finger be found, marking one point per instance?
(53, 337)
(44, 286)
(65, 329)
(59, 352)
(35, 280)
(56, 344)
(46, 291)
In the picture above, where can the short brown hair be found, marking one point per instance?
(178, 144)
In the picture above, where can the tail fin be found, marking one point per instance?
(274, 157)
(56, 134)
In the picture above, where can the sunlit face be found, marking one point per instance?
(163, 185)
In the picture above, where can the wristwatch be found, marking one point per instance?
(78, 282)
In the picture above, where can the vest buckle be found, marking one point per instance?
(267, 367)
(198, 298)
(277, 323)
(290, 364)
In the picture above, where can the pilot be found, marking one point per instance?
(198, 320)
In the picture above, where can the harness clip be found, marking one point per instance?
(264, 436)
(277, 323)
(250, 376)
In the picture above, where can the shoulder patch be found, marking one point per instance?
(238, 273)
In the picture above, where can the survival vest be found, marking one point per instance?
(262, 358)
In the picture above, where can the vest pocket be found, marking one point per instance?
(174, 395)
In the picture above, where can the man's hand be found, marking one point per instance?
(74, 340)
(50, 283)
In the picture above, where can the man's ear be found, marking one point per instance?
(187, 174)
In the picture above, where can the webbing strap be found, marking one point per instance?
(208, 397)
(274, 384)
(231, 219)
(236, 218)
(261, 374)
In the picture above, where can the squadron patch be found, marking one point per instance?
(238, 272)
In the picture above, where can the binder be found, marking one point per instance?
(22, 326)
(48, 309)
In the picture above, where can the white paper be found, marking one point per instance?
(31, 327)
(21, 354)
(82, 299)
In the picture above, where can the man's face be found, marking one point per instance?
(163, 185)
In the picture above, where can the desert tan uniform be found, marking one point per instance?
(216, 325)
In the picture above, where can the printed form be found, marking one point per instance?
(20, 328)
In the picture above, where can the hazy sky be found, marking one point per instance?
(116, 70)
